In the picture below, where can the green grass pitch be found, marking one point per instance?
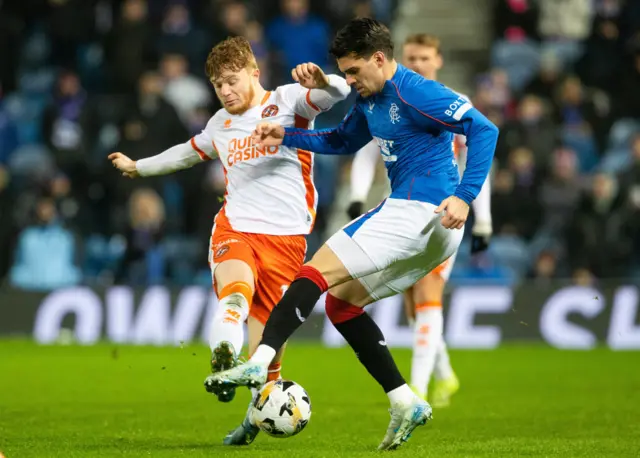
(107, 400)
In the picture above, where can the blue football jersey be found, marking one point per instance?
(413, 121)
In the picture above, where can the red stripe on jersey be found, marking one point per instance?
(421, 112)
(311, 104)
(306, 164)
(201, 153)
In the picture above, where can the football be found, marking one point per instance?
(282, 408)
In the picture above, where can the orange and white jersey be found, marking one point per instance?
(269, 190)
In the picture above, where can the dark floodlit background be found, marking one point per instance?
(111, 274)
(82, 78)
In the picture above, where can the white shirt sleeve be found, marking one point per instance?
(482, 210)
(363, 170)
(309, 103)
(199, 148)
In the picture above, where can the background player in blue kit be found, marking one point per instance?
(391, 247)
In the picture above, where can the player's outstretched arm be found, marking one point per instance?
(363, 169)
(350, 135)
(178, 157)
(323, 92)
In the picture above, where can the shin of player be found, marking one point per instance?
(427, 329)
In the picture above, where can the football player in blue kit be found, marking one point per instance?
(415, 229)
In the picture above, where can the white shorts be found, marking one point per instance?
(394, 245)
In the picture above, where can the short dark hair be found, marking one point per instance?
(362, 37)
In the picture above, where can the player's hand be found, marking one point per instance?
(268, 134)
(124, 164)
(310, 76)
(355, 209)
(456, 212)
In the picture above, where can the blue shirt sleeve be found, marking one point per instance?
(437, 107)
(350, 135)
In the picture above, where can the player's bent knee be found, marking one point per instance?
(429, 289)
(352, 292)
(233, 271)
(340, 311)
(329, 265)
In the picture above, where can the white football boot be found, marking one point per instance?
(404, 419)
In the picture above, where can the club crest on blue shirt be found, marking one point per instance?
(394, 113)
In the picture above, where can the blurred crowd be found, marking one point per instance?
(82, 78)
(564, 88)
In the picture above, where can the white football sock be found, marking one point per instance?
(264, 355)
(228, 322)
(401, 395)
(443, 369)
(427, 335)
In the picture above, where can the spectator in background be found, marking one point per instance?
(630, 186)
(129, 46)
(630, 176)
(224, 18)
(630, 21)
(255, 34)
(516, 50)
(545, 267)
(46, 251)
(627, 95)
(8, 134)
(69, 128)
(298, 36)
(72, 210)
(559, 193)
(183, 91)
(604, 51)
(211, 191)
(563, 26)
(515, 20)
(532, 128)
(619, 159)
(584, 120)
(180, 35)
(599, 238)
(494, 93)
(545, 83)
(514, 206)
(10, 43)
(151, 123)
(143, 262)
(71, 23)
(234, 19)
